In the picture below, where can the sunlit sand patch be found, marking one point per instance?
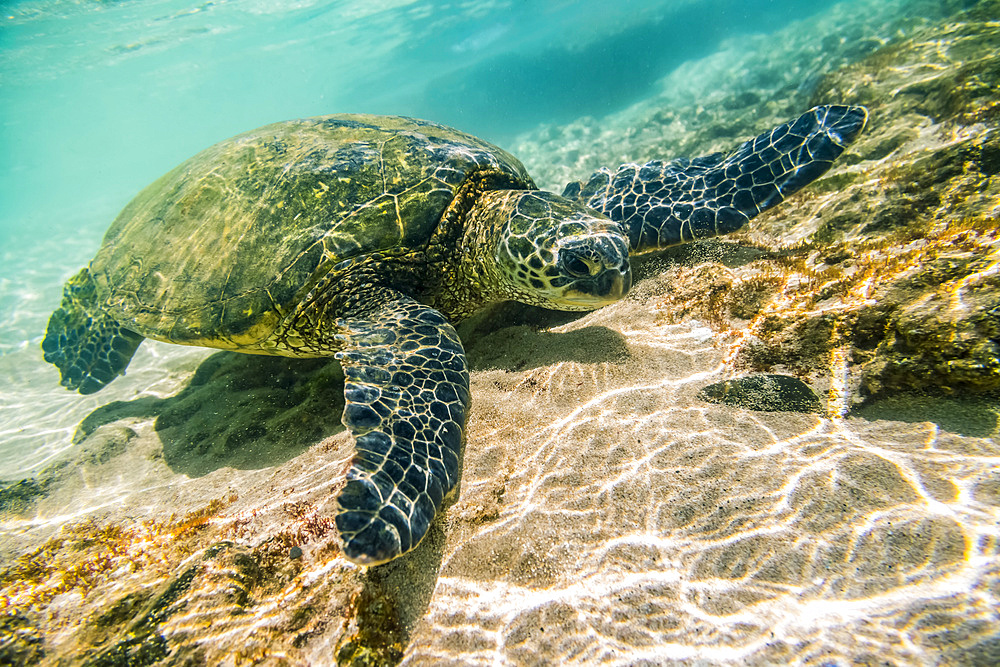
(48, 419)
(722, 535)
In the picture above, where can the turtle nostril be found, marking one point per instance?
(574, 263)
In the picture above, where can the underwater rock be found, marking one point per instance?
(21, 642)
(769, 393)
(946, 72)
(16, 497)
(946, 338)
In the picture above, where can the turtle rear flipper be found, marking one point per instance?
(661, 204)
(89, 348)
(407, 393)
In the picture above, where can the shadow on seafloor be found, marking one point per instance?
(238, 410)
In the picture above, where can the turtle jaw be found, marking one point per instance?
(608, 287)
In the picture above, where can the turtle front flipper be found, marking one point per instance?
(89, 347)
(661, 204)
(407, 391)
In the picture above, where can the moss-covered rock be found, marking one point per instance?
(16, 497)
(768, 393)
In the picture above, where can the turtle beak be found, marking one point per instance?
(599, 267)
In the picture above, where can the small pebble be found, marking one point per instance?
(295, 552)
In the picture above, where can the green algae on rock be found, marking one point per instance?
(769, 393)
(21, 641)
(16, 497)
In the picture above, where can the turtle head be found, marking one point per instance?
(553, 252)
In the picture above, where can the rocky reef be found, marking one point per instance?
(886, 268)
(607, 513)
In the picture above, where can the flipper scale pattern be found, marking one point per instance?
(407, 394)
(661, 204)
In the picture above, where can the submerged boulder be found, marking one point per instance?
(769, 393)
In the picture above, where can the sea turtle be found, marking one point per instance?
(364, 238)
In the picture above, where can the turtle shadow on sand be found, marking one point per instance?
(241, 411)
(250, 412)
(513, 337)
(522, 347)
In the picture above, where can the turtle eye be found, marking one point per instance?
(574, 264)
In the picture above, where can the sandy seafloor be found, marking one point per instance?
(606, 514)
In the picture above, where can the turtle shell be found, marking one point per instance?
(218, 250)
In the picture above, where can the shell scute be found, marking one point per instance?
(217, 250)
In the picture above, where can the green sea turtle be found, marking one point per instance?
(365, 238)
